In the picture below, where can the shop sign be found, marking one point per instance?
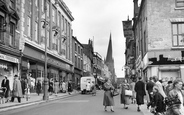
(127, 29)
(4, 66)
(8, 58)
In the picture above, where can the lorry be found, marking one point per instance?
(83, 83)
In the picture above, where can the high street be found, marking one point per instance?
(75, 105)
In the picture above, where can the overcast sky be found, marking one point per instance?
(97, 19)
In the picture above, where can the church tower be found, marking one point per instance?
(109, 61)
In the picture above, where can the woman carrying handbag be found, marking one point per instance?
(108, 98)
(125, 99)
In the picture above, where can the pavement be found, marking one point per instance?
(35, 99)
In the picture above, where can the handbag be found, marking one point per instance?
(114, 93)
(128, 93)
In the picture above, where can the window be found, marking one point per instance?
(78, 50)
(54, 15)
(36, 3)
(48, 9)
(65, 26)
(29, 7)
(48, 38)
(1, 29)
(29, 26)
(12, 34)
(42, 5)
(76, 47)
(179, 3)
(36, 31)
(12, 4)
(178, 34)
(75, 61)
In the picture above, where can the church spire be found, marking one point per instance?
(109, 51)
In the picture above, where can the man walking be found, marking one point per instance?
(17, 89)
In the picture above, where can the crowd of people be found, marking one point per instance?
(22, 88)
(164, 98)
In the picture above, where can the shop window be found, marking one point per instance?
(12, 34)
(178, 34)
(179, 3)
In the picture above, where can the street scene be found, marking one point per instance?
(74, 105)
(87, 57)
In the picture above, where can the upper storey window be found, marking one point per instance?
(12, 4)
(179, 3)
(178, 34)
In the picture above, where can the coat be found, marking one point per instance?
(140, 92)
(38, 88)
(108, 98)
(69, 87)
(124, 99)
(158, 102)
(7, 86)
(17, 89)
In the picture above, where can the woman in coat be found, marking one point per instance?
(140, 92)
(17, 89)
(108, 98)
(123, 98)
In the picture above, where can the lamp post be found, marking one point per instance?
(45, 95)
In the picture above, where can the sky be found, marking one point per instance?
(96, 19)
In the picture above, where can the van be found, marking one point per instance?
(83, 82)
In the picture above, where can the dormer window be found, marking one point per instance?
(179, 3)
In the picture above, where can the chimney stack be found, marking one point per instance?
(136, 8)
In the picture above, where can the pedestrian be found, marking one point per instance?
(168, 88)
(23, 85)
(93, 88)
(149, 88)
(157, 102)
(56, 86)
(17, 89)
(6, 88)
(124, 99)
(108, 98)
(69, 87)
(175, 99)
(38, 87)
(63, 87)
(132, 87)
(159, 85)
(51, 85)
(88, 87)
(140, 93)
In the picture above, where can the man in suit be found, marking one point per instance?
(6, 86)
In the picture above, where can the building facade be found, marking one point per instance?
(9, 39)
(46, 25)
(87, 71)
(159, 33)
(88, 52)
(78, 61)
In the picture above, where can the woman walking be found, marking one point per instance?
(108, 98)
(124, 98)
(38, 87)
(140, 92)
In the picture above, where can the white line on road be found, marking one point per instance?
(74, 101)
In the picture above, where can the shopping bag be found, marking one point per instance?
(128, 93)
(114, 93)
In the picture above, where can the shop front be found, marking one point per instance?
(77, 77)
(33, 62)
(9, 66)
(167, 65)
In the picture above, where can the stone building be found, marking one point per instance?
(159, 35)
(46, 27)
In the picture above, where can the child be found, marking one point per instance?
(157, 103)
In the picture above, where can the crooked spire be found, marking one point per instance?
(109, 51)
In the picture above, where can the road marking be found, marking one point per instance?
(74, 101)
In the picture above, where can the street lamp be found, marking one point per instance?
(45, 95)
